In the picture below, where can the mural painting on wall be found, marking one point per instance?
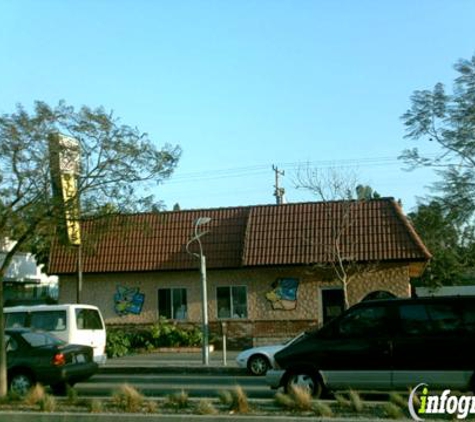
(284, 294)
(128, 300)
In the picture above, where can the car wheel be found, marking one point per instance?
(305, 380)
(258, 365)
(21, 382)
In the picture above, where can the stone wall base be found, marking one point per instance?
(244, 334)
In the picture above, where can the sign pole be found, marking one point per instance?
(79, 275)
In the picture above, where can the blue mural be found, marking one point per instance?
(128, 300)
(284, 294)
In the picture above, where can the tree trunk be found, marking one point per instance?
(3, 353)
(345, 293)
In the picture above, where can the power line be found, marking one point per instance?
(291, 166)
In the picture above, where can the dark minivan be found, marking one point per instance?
(384, 345)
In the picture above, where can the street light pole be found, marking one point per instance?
(204, 294)
(79, 275)
(204, 310)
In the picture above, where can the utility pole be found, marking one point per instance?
(279, 192)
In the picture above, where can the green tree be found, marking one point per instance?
(366, 192)
(118, 164)
(449, 243)
(447, 120)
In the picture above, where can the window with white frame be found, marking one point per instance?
(232, 301)
(172, 303)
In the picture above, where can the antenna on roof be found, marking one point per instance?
(279, 192)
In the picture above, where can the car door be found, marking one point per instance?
(15, 352)
(88, 329)
(10, 348)
(432, 345)
(359, 351)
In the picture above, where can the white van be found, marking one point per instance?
(72, 323)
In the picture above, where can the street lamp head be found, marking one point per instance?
(202, 220)
(197, 235)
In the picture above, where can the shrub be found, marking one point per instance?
(225, 397)
(118, 343)
(392, 411)
(240, 403)
(356, 403)
(284, 400)
(95, 406)
(322, 409)
(194, 337)
(302, 398)
(179, 400)
(72, 395)
(127, 398)
(47, 403)
(150, 406)
(415, 400)
(35, 395)
(205, 407)
(235, 400)
(342, 401)
(11, 397)
(161, 334)
(141, 340)
(397, 399)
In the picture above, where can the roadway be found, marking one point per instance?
(162, 373)
(162, 384)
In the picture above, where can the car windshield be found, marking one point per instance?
(41, 339)
(294, 339)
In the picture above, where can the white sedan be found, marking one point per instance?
(258, 360)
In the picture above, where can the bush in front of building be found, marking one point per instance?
(118, 343)
(166, 334)
(126, 341)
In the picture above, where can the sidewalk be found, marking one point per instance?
(174, 361)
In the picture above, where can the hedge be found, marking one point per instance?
(122, 342)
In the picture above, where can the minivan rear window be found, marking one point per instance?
(41, 339)
(445, 318)
(48, 320)
(88, 319)
(414, 319)
(15, 319)
(432, 319)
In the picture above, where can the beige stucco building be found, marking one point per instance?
(269, 268)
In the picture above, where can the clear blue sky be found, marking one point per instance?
(242, 85)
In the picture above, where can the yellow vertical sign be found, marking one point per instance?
(71, 207)
(64, 158)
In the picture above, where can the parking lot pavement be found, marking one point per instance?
(174, 360)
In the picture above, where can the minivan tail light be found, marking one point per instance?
(59, 359)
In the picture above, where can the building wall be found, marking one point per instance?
(263, 325)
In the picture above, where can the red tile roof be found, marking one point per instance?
(267, 235)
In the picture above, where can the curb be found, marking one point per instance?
(128, 417)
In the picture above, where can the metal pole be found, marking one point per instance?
(204, 310)
(79, 279)
(224, 332)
